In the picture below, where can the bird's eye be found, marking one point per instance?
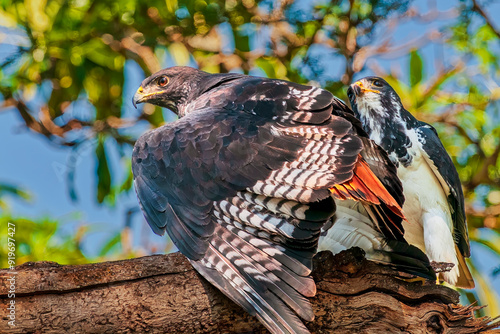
(162, 81)
(377, 83)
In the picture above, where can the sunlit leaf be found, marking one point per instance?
(113, 242)
(8, 189)
(102, 172)
(416, 68)
(179, 53)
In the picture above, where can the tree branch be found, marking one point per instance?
(162, 293)
(480, 11)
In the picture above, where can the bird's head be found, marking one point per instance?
(373, 96)
(169, 88)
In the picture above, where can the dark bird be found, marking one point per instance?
(434, 202)
(245, 179)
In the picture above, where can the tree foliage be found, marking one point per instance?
(67, 70)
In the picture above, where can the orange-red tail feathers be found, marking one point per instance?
(365, 186)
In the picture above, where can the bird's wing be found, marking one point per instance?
(380, 163)
(242, 189)
(444, 170)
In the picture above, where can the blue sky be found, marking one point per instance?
(33, 163)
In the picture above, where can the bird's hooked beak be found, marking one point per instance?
(138, 97)
(360, 88)
(142, 96)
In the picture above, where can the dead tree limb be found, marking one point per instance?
(163, 294)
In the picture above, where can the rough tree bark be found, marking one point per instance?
(163, 294)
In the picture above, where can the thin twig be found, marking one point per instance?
(480, 11)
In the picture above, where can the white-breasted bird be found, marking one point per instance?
(434, 200)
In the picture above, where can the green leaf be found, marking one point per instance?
(112, 242)
(266, 66)
(241, 40)
(416, 68)
(15, 191)
(179, 53)
(129, 180)
(310, 28)
(103, 174)
(38, 240)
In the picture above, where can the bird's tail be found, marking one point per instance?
(407, 258)
(353, 227)
(465, 280)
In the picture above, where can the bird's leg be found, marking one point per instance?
(440, 246)
(440, 268)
